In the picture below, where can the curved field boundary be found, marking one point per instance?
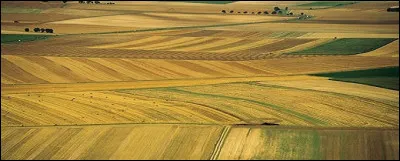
(389, 50)
(305, 45)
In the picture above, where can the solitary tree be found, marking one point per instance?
(223, 11)
(273, 12)
(36, 29)
(276, 9)
(231, 11)
(259, 12)
(42, 30)
(302, 13)
(238, 12)
(291, 13)
(286, 8)
(266, 12)
(245, 12)
(49, 30)
(26, 29)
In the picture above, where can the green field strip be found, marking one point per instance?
(19, 38)
(346, 46)
(20, 10)
(387, 77)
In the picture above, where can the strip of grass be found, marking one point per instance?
(19, 10)
(327, 3)
(275, 107)
(347, 46)
(387, 77)
(18, 38)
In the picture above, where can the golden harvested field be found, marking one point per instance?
(180, 80)
(110, 142)
(45, 69)
(224, 102)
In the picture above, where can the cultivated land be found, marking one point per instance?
(182, 80)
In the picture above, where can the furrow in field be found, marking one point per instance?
(209, 45)
(244, 45)
(166, 43)
(186, 43)
(141, 41)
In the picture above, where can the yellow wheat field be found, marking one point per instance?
(110, 142)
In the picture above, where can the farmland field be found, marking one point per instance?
(347, 46)
(381, 77)
(9, 38)
(206, 80)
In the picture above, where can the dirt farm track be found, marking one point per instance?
(182, 80)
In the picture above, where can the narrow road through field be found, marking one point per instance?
(220, 142)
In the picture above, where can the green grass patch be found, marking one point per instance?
(19, 38)
(387, 77)
(19, 10)
(347, 46)
(290, 144)
(327, 3)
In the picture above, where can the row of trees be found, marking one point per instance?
(277, 10)
(259, 12)
(40, 30)
(88, 2)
